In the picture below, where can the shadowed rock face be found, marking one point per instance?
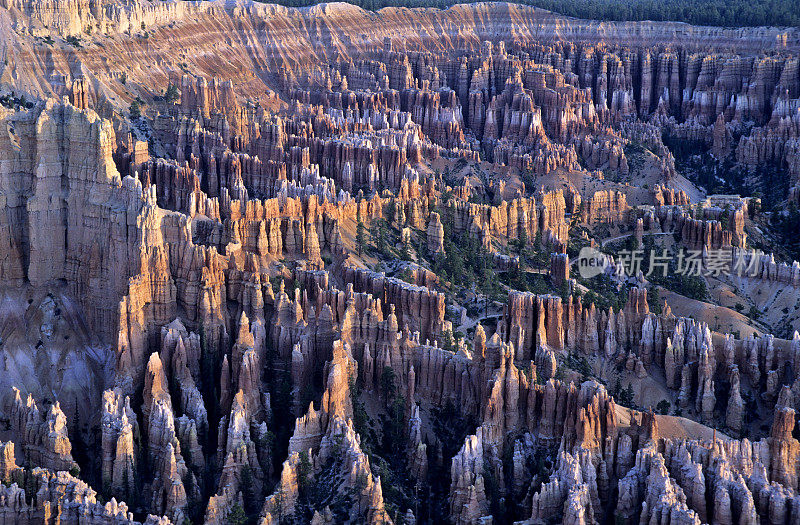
(235, 305)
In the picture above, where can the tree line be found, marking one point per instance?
(722, 13)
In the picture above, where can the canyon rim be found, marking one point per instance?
(484, 264)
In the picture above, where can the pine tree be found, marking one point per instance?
(379, 235)
(171, 94)
(626, 396)
(304, 471)
(361, 236)
(237, 515)
(135, 110)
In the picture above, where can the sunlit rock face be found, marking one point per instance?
(323, 265)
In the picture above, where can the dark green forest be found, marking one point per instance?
(724, 13)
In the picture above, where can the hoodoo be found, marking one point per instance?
(482, 264)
